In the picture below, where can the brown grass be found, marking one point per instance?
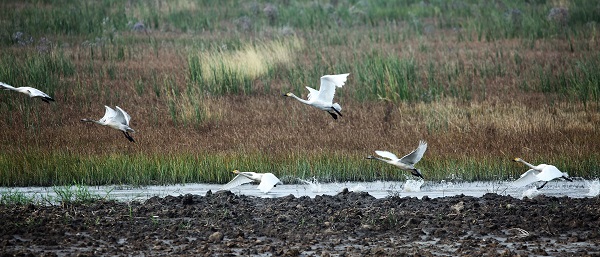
(279, 126)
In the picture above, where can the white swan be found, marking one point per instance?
(407, 162)
(323, 99)
(266, 180)
(118, 119)
(31, 92)
(542, 172)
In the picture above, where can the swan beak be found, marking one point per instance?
(516, 159)
(235, 171)
(287, 94)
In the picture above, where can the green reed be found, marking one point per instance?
(584, 80)
(59, 169)
(74, 194)
(43, 70)
(15, 197)
(579, 80)
(390, 78)
(480, 21)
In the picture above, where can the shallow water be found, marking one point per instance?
(379, 189)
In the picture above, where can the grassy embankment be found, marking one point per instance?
(482, 83)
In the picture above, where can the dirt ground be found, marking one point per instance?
(347, 224)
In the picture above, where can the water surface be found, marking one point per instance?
(379, 189)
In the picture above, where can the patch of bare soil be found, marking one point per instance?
(348, 224)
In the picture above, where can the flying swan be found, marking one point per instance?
(405, 163)
(542, 172)
(323, 99)
(31, 92)
(266, 180)
(118, 120)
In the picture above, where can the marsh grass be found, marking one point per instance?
(75, 194)
(15, 197)
(233, 71)
(175, 169)
(466, 142)
(482, 82)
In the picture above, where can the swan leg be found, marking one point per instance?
(415, 172)
(333, 115)
(540, 187)
(567, 178)
(336, 111)
(128, 137)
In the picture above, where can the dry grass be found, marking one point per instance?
(277, 126)
(251, 61)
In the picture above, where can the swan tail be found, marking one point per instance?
(47, 99)
(337, 107)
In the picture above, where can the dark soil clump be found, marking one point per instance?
(347, 224)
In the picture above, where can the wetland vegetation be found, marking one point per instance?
(481, 81)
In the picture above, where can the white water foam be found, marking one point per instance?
(413, 185)
(314, 185)
(594, 187)
(317, 187)
(531, 193)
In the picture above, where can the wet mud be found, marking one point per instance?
(347, 224)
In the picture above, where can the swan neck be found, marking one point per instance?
(526, 163)
(299, 99)
(94, 121)
(379, 159)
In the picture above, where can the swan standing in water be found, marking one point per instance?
(323, 99)
(31, 92)
(266, 180)
(542, 172)
(407, 162)
(118, 120)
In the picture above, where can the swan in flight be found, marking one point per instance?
(31, 92)
(266, 180)
(542, 172)
(323, 98)
(118, 119)
(407, 162)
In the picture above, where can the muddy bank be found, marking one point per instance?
(347, 224)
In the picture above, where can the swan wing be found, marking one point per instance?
(109, 114)
(6, 86)
(237, 181)
(416, 155)
(267, 182)
(387, 154)
(328, 85)
(125, 115)
(527, 178)
(312, 93)
(549, 172)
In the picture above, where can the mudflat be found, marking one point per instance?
(346, 224)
